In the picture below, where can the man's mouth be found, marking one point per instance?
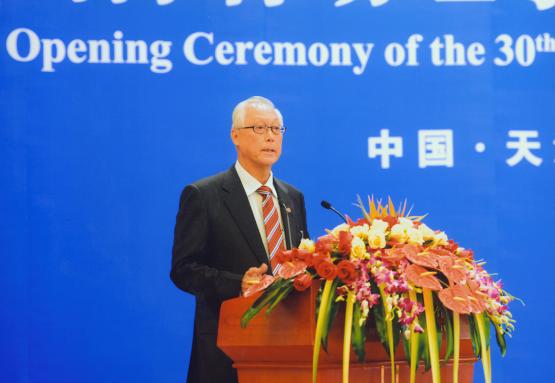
(269, 150)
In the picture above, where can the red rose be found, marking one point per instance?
(467, 253)
(317, 258)
(324, 244)
(361, 221)
(451, 245)
(302, 282)
(345, 239)
(391, 221)
(346, 271)
(327, 270)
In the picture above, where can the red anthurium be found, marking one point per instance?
(422, 277)
(304, 256)
(291, 269)
(456, 298)
(284, 256)
(264, 282)
(440, 252)
(461, 299)
(453, 268)
(477, 299)
(395, 255)
(423, 258)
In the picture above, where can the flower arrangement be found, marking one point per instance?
(416, 282)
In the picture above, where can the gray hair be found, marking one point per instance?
(257, 102)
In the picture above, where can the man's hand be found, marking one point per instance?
(252, 276)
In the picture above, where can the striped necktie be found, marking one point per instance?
(272, 226)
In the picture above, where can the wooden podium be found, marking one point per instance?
(278, 348)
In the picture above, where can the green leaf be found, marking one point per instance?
(381, 326)
(262, 301)
(318, 300)
(331, 311)
(358, 334)
(406, 348)
(474, 335)
(448, 330)
(500, 337)
(284, 292)
(397, 332)
(320, 324)
(487, 328)
(425, 351)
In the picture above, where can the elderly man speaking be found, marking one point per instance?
(230, 226)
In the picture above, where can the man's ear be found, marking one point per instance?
(233, 134)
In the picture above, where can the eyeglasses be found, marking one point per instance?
(261, 129)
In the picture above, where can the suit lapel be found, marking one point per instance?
(285, 207)
(239, 207)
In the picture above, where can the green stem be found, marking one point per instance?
(431, 329)
(484, 348)
(390, 340)
(456, 346)
(413, 344)
(347, 335)
(319, 327)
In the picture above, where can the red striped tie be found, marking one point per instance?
(272, 226)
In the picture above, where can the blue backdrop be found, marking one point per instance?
(108, 108)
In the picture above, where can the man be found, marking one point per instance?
(230, 226)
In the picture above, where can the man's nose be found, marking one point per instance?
(269, 135)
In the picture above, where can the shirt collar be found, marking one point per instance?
(251, 184)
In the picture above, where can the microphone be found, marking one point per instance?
(326, 205)
(287, 211)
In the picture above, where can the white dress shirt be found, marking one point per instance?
(251, 185)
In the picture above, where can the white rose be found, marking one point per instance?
(379, 225)
(360, 231)
(399, 233)
(427, 233)
(414, 237)
(441, 238)
(338, 228)
(307, 244)
(376, 239)
(405, 222)
(358, 249)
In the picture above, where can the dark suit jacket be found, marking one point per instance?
(215, 241)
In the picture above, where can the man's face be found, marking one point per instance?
(259, 151)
